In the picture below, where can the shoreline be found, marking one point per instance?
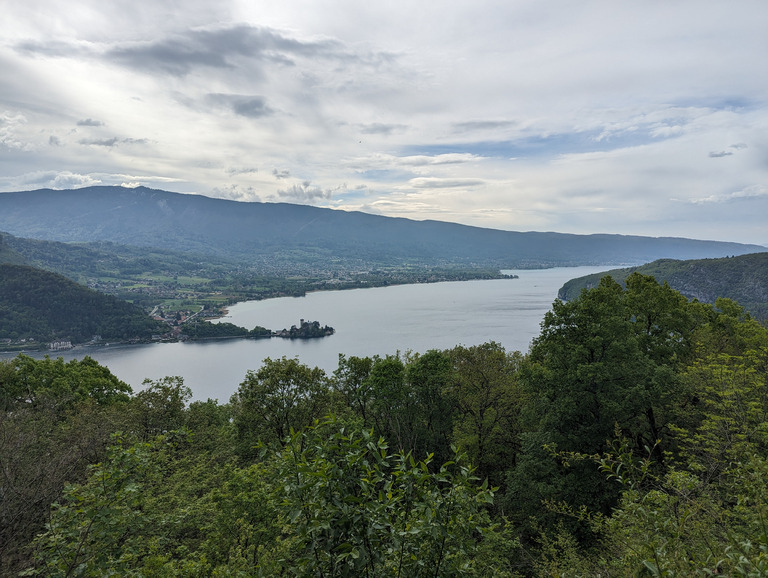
(10, 353)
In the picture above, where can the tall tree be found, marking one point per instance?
(606, 360)
(485, 391)
(280, 396)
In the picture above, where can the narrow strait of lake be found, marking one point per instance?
(377, 321)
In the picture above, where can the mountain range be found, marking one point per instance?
(293, 234)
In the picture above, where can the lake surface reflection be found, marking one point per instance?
(374, 321)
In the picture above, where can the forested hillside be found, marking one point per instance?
(45, 306)
(630, 440)
(742, 278)
(8, 254)
(283, 236)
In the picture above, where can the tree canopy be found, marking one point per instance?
(630, 440)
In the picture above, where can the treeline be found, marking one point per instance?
(632, 439)
(208, 330)
(46, 306)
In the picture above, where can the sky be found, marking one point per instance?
(644, 118)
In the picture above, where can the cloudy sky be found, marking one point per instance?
(646, 117)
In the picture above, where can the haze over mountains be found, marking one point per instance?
(258, 231)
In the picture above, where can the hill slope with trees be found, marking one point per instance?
(296, 234)
(46, 306)
(742, 278)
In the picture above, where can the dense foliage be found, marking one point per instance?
(207, 330)
(46, 306)
(631, 440)
(743, 278)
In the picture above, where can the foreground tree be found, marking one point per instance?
(357, 510)
(611, 358)
(485, 391)
(56, 418)
(282, 395)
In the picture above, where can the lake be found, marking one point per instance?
(377, 321)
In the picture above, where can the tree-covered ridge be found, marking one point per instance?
(743, 278)
(630, 440)
(8, 254)
(45, 306)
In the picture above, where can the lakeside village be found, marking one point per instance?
(184, 327)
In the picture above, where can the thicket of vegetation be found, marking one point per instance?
(208, 330)
(46, 306)
(632, 439)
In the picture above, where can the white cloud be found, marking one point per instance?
(9, 125)
(750, 192)
(437, 183)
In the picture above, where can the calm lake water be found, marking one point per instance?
(374, 321)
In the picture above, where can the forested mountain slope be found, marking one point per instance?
(8, 254)
(743, 278)
(296, 233)
(47, 306)
(82, 261)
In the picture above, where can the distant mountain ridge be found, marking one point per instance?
(742, 278)
(295, 233)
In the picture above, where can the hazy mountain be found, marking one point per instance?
(743, 279)
(296, 233)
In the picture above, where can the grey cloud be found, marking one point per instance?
(249, 106)
(284, 174)
(306, 192)
(244, 171)
(252, 108)
(720, 154)
(99, 142)
(111, 142)
(475, 125)
(53, 48)
(380, 128)
(738, 146)
(219, 48)
(54, 141)
(89, 122)
(237, 193)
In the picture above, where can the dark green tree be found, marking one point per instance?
(358, 510)
(280, 396)
(605, 360)
(484, 389)
(350, 380)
